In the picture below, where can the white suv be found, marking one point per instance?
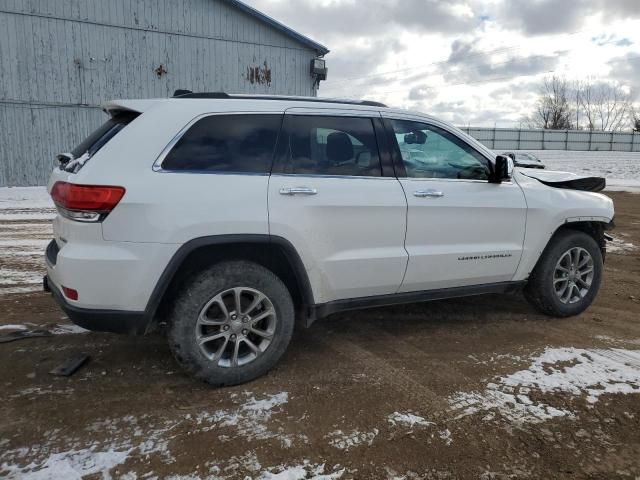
(230, 217)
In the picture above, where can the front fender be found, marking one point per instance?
(549, 209)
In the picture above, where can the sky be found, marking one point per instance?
(470, 62)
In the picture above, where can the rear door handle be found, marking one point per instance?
(428, 193)
(298, 191)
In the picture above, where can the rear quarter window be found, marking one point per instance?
(226, 143)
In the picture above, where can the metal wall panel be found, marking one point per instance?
(30, 136)
(580, 140)
(59, 57)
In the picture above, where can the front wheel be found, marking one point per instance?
(232, 323)
(567, 277)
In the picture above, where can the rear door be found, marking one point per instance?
(336, 201)
(461, 229)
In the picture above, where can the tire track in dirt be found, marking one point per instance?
(415, 395)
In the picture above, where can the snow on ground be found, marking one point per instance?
(345, 441)
(54, 329)
(621, 169)
(251, 420)
(587, 373)
(408, 419)
(25, 230)
(300, 472)
(25, 203)
(72, 465)
(110, 442)
(619, 246)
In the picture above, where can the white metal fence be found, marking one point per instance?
(579, 140)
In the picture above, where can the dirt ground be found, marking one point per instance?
(482, 387)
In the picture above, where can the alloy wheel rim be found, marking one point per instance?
(236, 327)
(573, 275)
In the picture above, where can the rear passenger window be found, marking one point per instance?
(320, 145)
(226, 143)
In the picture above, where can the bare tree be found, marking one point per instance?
(553, 110)
(634, 115)
(606, 106)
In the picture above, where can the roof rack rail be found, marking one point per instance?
(223, 95)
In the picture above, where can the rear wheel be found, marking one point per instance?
(567, 277)
(232, 323)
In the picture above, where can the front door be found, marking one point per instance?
(328, 196)
(461, 229)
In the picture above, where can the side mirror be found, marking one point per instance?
(501, 169)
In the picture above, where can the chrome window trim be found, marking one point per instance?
(465, 180)
(316, 175)
(157, 164)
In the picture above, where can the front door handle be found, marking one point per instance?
(298, 191)
(428, 193)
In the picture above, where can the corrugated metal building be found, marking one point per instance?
(59, 60)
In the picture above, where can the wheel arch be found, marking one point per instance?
(594, 227)
(273, 252)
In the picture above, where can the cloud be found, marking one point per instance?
(618, 9)
(326, 20)
(421, 93)
(466, 64)
(626, 70)
(539, 17)
(469, 61)
(351, 68)
(462, 114)
(611, 39)
(524, 91)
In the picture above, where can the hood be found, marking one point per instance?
(568, 180)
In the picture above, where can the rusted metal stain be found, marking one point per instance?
(260, 74)
(160, 71)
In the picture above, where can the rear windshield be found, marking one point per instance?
(103, 134)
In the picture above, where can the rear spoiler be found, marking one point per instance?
(136, 106)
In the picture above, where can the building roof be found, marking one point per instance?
(318, 47)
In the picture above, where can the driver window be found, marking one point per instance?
(431, 152)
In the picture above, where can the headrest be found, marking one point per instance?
(339, 147)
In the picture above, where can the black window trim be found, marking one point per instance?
(398, 164)
(382, 142)
(157, 164)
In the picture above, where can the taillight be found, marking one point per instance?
(87, 203)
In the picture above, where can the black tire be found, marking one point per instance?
(540, 291)
(184, 324)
